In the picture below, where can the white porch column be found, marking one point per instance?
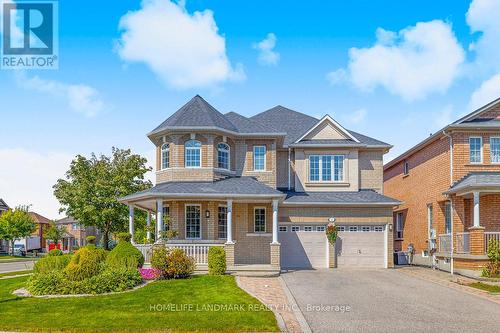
(229, 222)
(148, 223)
(476, 209)
(159, 218)
(275, 221)
(131, 221)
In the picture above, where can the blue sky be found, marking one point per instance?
(416, 65)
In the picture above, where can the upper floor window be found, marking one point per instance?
(326, 168)
(223, 155)
(259, 158)
(193, 154)
(75, 226)
(495, 150)
(165, 156)
(476, 149)
(406, 168)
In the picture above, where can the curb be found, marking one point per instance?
(14, 276)
(296, 309)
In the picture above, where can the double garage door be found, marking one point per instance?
(306, 247)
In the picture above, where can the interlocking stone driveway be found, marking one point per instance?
(387, 301)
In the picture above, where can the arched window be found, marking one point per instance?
(192, 154)
(223, 155)
(165, 156)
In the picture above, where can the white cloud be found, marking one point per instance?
(81, 98)
(487, 92)
(267, 55)
(356, 117)
(27, 177)
(483, 16)
(411, 63)
(185, 50)
(443, 118)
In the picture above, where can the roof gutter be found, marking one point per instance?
(200, 196)
(349, 204)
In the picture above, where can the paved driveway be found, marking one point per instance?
(15, 266)
(387, 301)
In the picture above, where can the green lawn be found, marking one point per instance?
(484, 286)
(134, 311)
(16, 273)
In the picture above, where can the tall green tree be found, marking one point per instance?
(54, 233)
(16, 224)
(92, 186)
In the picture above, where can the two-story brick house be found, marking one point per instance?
(75, 233)
(265, 188)
(449, 185)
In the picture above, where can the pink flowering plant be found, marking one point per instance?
(149, 273)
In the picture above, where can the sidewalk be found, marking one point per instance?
(456, 282)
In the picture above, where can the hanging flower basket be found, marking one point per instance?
(331, 233)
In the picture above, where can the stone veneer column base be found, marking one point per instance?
(476, 241)
(275, 254)
(229, 249)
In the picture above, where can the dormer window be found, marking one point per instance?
(192, 154)
(223, 155)
(165, 156)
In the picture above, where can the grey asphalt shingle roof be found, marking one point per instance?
(363, 197)
(196, 113)
(3, 205)
(333, 142)
(475, 180)
(247, 125)
(234, 187)
(479, 123)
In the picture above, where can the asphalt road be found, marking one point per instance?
(15, 266)
(387, 301)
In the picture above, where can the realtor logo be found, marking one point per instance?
(29, 35)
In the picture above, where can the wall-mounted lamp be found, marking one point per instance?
(207, 214)
(390, 227)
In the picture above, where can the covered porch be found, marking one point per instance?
(242, 218)
(476, 205)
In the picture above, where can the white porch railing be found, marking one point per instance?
(445, 243)
(197, 251)
(462, 244)
(488, 236)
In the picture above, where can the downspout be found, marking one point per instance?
(289, 171)
(451, 202)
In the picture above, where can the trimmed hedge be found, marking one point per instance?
(55, 252)
(86, 262)
(52, 263)
(216, 260)
(172, 264)
(125, 255)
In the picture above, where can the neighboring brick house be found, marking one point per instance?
(75, 233)
(265, 188)
(42, 223)
(4, 245)
(449, 185)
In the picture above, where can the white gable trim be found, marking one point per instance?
(476, 113)
(336, 124)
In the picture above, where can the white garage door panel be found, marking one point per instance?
(303, 249)
(360, 249)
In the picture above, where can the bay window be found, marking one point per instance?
(223, 156)
(193, 154)
(165, 156)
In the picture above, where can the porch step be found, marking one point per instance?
(254, 270)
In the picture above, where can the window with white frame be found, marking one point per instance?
(365, 228)
(166, 218)
(259, 219)
(165, 156)
(295, 228)
(495, 150)
(308, 228)
(326, 168)
(192, 154)
(447, 217)
(399, 225)
(476, 149)
(378, 228)
(222, 222)
(430, 221)
(193, 221)
(223, 155)
(340, 228)
(353, 228)
(282, 228)
(259, 158)
(320, 228)
(406, 168)
(75, 226)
